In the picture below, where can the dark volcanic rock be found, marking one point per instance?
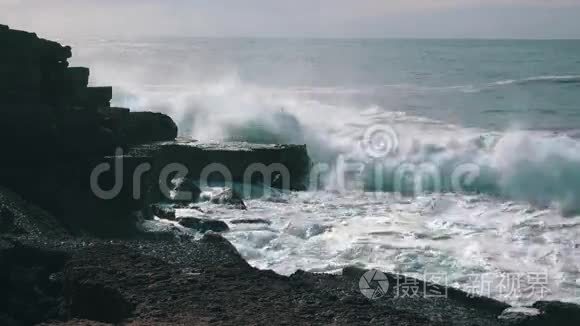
(237, 159)
(229, 197)
(185, 191)
(76, 322)
(251, 221)
(29, 295)
(542, 313)
(216, 286)
(95, 301)
(144, 127)
(167, 213)
(558, 313)
(7, 221)
(519, 316)
(443, 301)
(55, 129)
(245, 162)
(20, 217)
(203, 225)
(173, 282)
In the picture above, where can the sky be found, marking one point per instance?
(297, 18)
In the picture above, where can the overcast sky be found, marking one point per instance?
(297, 18)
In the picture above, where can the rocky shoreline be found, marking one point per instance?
(69, 256)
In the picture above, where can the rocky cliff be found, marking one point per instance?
(48, 107)
(55, 130)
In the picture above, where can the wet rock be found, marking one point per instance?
(251, 221)
(519, 316)
(144, 127)
(353, 272)
(229, 197)
(558, 313)
(185, 191)
(254, 164)
(203, 225)
(164, 212)
(306, 231)
(190, 206)
(237, 158)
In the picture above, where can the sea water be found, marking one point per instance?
(493, 125)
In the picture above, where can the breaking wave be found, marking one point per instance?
(539, 168)
(571, 79)
(518, 165)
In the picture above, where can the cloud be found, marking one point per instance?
(300, 18)
(9, 2)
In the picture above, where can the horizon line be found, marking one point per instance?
(402, 38)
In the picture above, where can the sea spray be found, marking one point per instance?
(520, 165)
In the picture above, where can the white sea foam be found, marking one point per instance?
(535, 167)
(508, 220)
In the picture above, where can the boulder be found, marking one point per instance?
(237, 159)
(306, 231)
(353, 272)
(185, 191)
(203, 225)
(163, 212)
(251, 221)
(519, 316)
(248, 164)
(144, 127)
(229, 197)
(557, 313)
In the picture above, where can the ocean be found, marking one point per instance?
(446, 158)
